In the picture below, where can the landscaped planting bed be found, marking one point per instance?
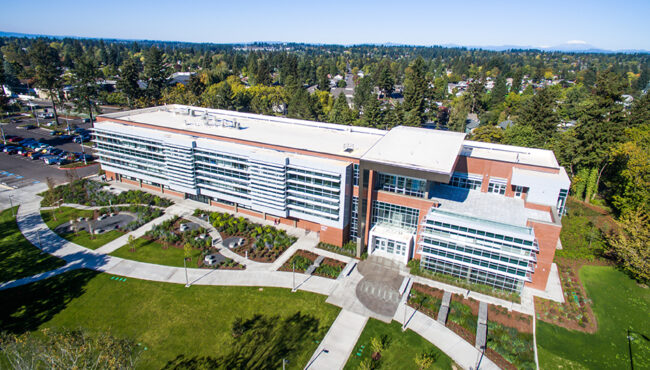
(329, 268)
(426, 299)
(463, 317)
(348, 249)
(263, 243)
(414, 266)
(228, 264)
(576, 312)
(300, 261)
(90, 193)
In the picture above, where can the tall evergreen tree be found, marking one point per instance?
(498, 93)
(540, 113)
(155, 72)
(128, 81)
(263, 72)
(341, 112)
(85, 89)
(47, 66)
(415, 92)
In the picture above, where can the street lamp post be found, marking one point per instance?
(187, 280)
(284, 362)
(11, 203)
(293, 275)
(81, 142)
(630, 338)
(3, 133)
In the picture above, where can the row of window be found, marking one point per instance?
(302, 188)
(474, 275)
(465, 183)
(314, 173)
(477, 262)
(354, 219)
(401, 184)
(314, 181)
(226, 173)
(495, 187)
(479, 232)
(332, 213)
(149, 171)
(138, 155)
(395, 215)
(475, 251)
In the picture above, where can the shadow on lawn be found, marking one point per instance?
(260, 342)
(26, 307)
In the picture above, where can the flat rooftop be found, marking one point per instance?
(417, 148)
(341, 140)
(509, 153)
(486, 206)
(411, 147)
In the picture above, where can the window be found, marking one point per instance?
(401, 184)
(466, 181)
(355, 174)
(496, 187)
(519, 191)
(395, 215)
(561, 201)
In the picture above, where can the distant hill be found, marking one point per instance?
(574, 46)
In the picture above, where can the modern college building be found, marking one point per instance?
(484, 212)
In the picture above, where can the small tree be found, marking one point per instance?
(187, 248)
(131, 242)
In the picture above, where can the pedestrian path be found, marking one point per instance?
(42, 276)
(463, 353)
(335, 349)
(118, 243)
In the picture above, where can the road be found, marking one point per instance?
(348, 90)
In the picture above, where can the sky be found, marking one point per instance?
(613, 25)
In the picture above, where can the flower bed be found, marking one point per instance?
(168, 233)
(463, 317)
(576, 312)
(227, 264)
(425, 299)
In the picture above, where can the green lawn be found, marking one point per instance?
(83, 238)
(401, 350)
(18, 257)
(176, 323)
(619, 303)
(153, 252)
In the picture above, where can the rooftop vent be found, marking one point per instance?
(348, 147)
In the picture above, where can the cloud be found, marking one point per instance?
(576, 42)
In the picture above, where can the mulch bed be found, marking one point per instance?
(572, 314)
(264, 255)
(287, 266)
(430, 291)
(330, 262)
(523, 323)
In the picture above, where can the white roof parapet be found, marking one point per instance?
(510, 153)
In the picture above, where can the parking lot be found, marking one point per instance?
(17, 171)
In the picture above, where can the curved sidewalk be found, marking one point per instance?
(31, 225)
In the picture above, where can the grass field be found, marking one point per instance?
(83, 238)
(153, 252)
(618, 303)
(18, 257)
(401, 350)
(172, 321)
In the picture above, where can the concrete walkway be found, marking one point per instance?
(116, 244)
(339, 342)
(463, 353)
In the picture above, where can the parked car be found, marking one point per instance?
(10, 149)
(51, 124)
(51, 159)
(23, 152)
(80, 138)
(65, 137)
(14, 139)
(55, 133)
(35, 155)
(29, 127)
(80, 130)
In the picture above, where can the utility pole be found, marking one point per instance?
(12, 207)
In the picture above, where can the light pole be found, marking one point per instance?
(293, 275)
(187, 280)
(12, 206)
(81, 142)
(31, 105)
(629, 344)
(2, 125)
(284, 362)
(314, 360)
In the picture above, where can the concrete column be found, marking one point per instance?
(140, 182)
